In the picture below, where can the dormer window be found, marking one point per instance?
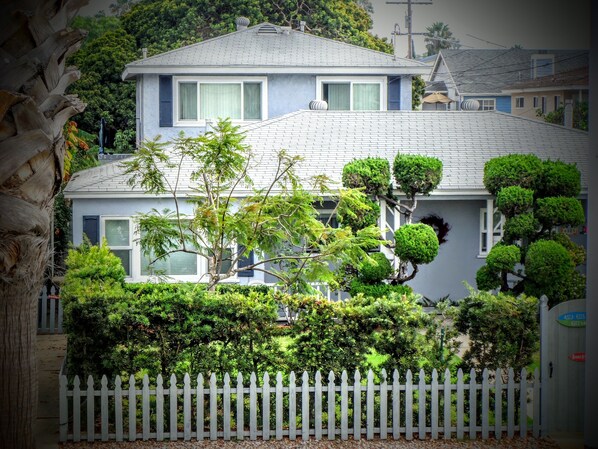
(207, 98)
(357, 94)
(542, 65)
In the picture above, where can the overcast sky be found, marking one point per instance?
(549, 24)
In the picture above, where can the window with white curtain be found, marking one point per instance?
(118, 234)
(366, 94)
(201, 99)
(175, 264)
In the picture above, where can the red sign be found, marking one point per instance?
(578, 357)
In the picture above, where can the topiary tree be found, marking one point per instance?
(414, 244)
(536, 197)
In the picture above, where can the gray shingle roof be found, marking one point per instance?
(292, 49)
(489, 71)
(463, 141)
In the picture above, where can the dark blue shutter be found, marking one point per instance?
(394, 94)
(243, 262)
(165, 100)
(91, 228)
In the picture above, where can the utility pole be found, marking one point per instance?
(409, 22)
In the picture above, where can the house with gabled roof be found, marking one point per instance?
(262, 72)
(472, 74)
(104, 204)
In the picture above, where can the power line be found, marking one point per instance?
(408, 18)
(484, 40)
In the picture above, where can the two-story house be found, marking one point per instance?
(471, 74)
(263, 72)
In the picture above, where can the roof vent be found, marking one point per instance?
(318, 105)
(470, 105)
(242, 23)
(267, 29)
(286, 30)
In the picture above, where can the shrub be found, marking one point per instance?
(358, 219)
(559, 211)
(522, 170)
(514, 200)
(577, 252)
(503, 257)
(487, 279)
(559, 179)
(377, 290)
(375, 271)
(520, 226)
(417, 174)
(371, 173)
(503, 330)
(416, 243)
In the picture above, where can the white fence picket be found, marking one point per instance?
(159, 408)
(318, 406)
(145, 407)
(305, 407)
(266, 407)
(331, 407)
(292, 407)
(90, 409)
(357, 406)
(434, 405)
(421, 409)
(428, 407)
(369, 406)
(409, 406)
(498, 404)
(174, 432)
(225, 405)
(187, 407)
(104, 407)
(447, 397)
(132, 409)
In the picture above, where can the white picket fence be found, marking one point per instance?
(313, 409)
(49, 316)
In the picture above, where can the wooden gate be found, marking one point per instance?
(562, 365)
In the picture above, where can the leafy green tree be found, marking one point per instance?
(535, 197)
(102, 62)
(580, 116)
(95, 26)
(279, 222)
(438, 37)
(418, 89)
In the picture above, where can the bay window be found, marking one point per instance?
(358, 94)
(201, 99)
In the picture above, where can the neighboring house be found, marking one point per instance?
(263, 72)
(546, 94)
(483, 74)
(103, 203)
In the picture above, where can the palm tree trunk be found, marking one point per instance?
(34, 44)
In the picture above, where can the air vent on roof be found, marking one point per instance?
(267, 29)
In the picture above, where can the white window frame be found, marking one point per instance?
(381, 80)
(218, 80)
(498, 230)
(519, 100)
(491, 102)
(130, 247)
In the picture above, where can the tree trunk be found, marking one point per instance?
(34, 44)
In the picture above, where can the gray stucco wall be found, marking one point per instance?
(290, 93)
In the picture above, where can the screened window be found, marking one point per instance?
(519, 102)
(535, 102)
(203, 100)
(497, 232)
(557, 102)
(352, 95)
(117, 232)
(542, 65)
(543, 105)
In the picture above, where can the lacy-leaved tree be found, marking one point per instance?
(238, 225)
(536, 198)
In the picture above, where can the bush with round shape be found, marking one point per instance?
(376, 271)
(417, 174)
(521, 226)
(358, 219)
(559, 211)
(487, 279)
(416, 243)
(524, 170)
(559, 179)
(371, 173)
(577, 252)
(503, 257)
(514, 200)
(377, 290)
(548, 269)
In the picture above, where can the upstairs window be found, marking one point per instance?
(535, 102)
(497, 233)
(204, 99)
(519, 102)
(486, 104)
(352, 95)
(542, 65)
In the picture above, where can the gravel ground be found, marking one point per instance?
(516, 443)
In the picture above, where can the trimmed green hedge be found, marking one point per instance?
(524, 170)
(373, 273)
(559, 211)
(417, 174)
(372, 173)
(559, 179)
(416, 243)
(514, 200)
